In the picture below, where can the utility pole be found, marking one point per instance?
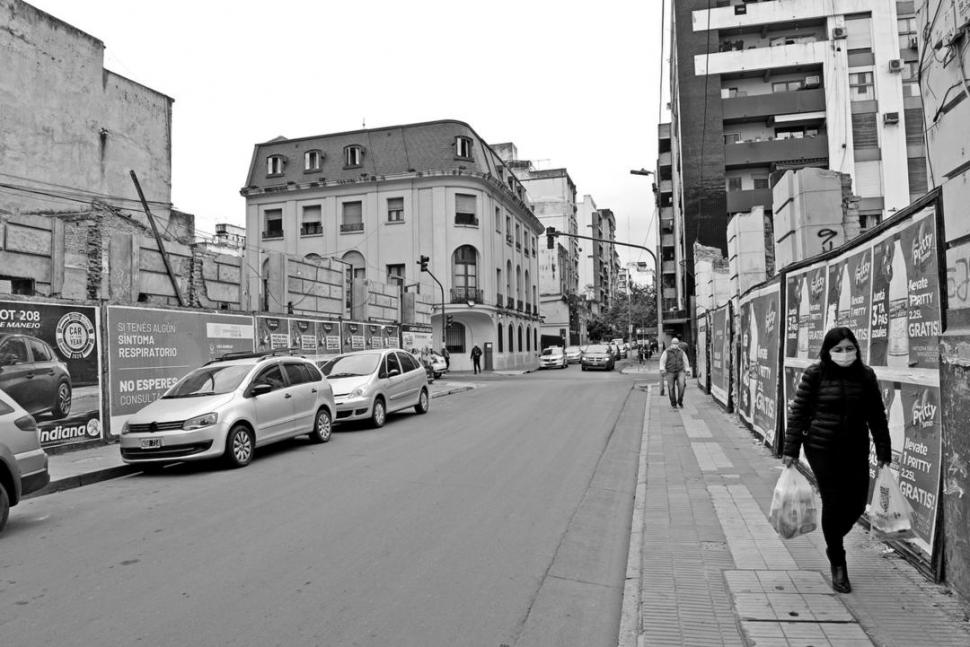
(158, 240)
(423, 262)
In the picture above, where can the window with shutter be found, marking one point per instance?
(864, 133)
(914, 125)
(311, 224)
(353, 216)
(465, 210)
(395, 209)
(917, 175)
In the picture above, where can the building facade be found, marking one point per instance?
(377, 200)
(597, 272)
(759, 88)
(552, 195)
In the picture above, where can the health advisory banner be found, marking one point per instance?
(50, 364)
(150, 349)
(310, 338)
(721, 354)
(703, 349)
(760, 343)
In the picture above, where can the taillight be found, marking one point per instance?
(27, 423)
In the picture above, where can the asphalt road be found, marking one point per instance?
(500, 518)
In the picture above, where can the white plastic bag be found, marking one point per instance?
(889, 511)
(794, 509)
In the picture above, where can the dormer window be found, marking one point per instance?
(274, 165)
(463, 147)
(312, 160)
(353, 155)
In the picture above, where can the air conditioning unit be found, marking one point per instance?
(890, 118)
(838, 33)
(895, 65)
(812, 81)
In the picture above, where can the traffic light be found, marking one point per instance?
(424, 263)
(450, 320)
(550, 238)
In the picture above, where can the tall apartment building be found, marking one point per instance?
(552, 195)
(376, 200)
(761, 87)
(597, 273)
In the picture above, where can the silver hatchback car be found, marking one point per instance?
(228, 408)
(369, 384)
(23, 462)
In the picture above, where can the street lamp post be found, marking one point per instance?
(658, 284)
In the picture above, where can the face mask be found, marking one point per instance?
(843, 359)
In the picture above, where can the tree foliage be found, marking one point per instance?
(639, 308)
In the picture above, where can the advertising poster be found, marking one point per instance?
(149, 350)
(50, 364)
(328, 337)
(807, 298)
(392, 336)
(924, 324)
(303, 336)
(793, 287)
(373, 336)
(765, 342)
(353, 336)
(748, 366)
(720, 355)
(915, 432)
(853, 296)
(272, 333)
(702, 352)
(414, 337)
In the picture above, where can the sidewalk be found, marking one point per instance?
(712, 571)
(85, 466)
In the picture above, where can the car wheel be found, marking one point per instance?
(62, 401)
(322, 426)
(239, 446)
(4, 506)
(424, 402)
(379, 415)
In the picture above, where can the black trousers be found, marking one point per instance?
(477, 364)
(843, 482)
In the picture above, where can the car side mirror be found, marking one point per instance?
(261, 389)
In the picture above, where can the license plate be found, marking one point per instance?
(151, 443)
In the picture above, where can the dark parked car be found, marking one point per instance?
(33, 375)
(598, 356)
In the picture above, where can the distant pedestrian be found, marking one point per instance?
(836, 407)
(476, 359)
(447, 356)
(640, 353)
(674, 367)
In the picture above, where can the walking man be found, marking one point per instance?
(674, 367)
(476, 359)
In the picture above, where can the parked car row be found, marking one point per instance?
(23, 462)
(230, 407)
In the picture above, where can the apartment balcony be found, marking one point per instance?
(663, 131)
(670, 293)
(744, 200)
(768, 151)
(272, 234)
(666, 186)
(465, 295)
(348, 227)
(664, 159)
(767, 13)
(667, 240)
(761, 58)
(773, 103)
(669, 267)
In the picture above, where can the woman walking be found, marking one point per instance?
(836, 407)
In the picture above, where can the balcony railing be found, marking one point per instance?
(776, 150)
(510, 303)
(311, 229)
(351, 226)
(499, 301)
(467, 219)
(272, 233)
(518, 305)
(464, 295)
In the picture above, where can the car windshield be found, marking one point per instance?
(572, 349)
(351, 365)
(597, 349)
(552, 351)
(210, 380)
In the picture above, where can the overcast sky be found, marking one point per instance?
(573, 84)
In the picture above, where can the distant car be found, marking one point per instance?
(33, 375)
(598, 356)
(230, 407)
(23, 462)
(369, 384)
(574, 354)
(552, 357)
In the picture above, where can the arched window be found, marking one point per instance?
(511, 333)
(518, 282)
(464, 274)
(528, 292)
(528, 340)
(535, 337)
(455, 337)
(499, 337)
(314, 258)
(520, 338)
(508, 283)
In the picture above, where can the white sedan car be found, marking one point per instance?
(369, 384)
(552, 357)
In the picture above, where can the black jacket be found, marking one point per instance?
(835, 409)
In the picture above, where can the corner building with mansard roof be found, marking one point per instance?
(376, 200)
